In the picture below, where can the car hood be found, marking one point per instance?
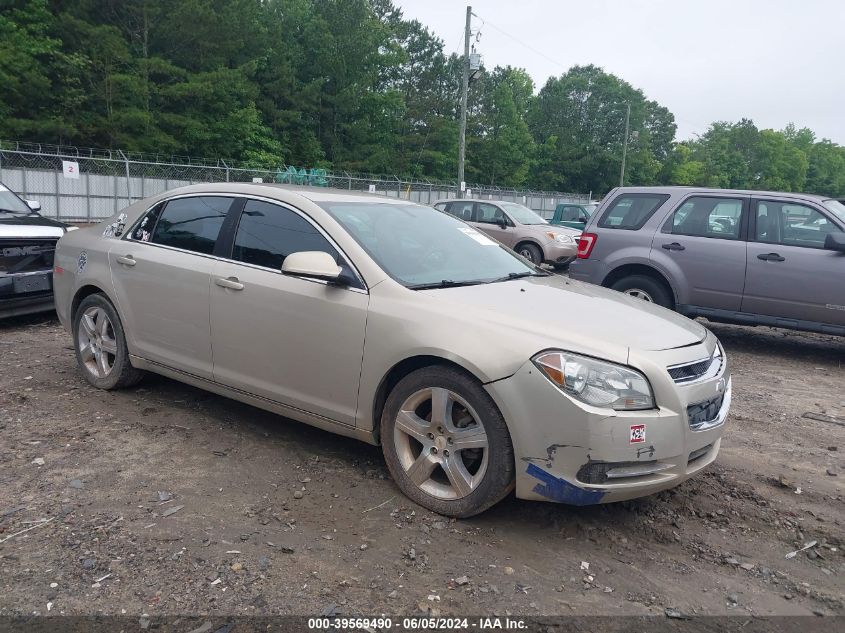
(571, 314)
(15, 225)
(543, 229)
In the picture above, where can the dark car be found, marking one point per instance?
(27, 243)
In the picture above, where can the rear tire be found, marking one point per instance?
(531, 253)
(100, 345)
(457, 462)
(645, 288)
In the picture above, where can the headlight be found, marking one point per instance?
(563, 238)
(595, 382)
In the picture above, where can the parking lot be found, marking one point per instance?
(164, 499)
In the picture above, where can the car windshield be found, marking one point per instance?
(836, 207)
(521, 214)
(10, 203)
(422, 247)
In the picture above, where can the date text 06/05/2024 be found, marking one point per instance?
(423, 623)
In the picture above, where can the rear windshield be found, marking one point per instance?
(630, 211)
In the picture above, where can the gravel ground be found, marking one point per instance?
(164, 499)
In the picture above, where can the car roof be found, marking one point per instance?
(476, 200)
(683, 190)
(316, 195)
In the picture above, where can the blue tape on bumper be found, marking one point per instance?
(561, 490)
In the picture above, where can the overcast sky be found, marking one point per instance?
(774, 61)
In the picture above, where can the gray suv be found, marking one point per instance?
(748, 257)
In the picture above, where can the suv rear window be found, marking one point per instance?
(630, 211)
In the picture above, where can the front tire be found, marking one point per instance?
(445, 442)
(645, 288)
(100, 345)
(531, 252)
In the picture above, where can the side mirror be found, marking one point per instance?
(34, 205)
(835, 242)
(313, 264)
(503, 223)
(581, 220)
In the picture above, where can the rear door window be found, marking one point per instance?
(706, 216)
(461, 210)
(630, 211)
(192, 224)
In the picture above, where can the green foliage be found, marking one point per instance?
(353, 85)
(585, 110)
(739, 156)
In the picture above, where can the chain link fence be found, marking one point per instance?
(98, 183)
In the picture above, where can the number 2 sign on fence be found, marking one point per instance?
(70, 169)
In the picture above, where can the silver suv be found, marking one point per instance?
(748, 257)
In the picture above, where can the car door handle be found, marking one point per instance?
(771, 257)
(126, 260)
(674, 246)
(231, 283)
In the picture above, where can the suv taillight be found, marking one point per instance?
(586, 244)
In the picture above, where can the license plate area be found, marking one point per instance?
(32, 283)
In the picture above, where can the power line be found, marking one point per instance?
(519, 41)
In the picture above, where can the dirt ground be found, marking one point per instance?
(164, 499)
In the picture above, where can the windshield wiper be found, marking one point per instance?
(445, 283)
(518, 276)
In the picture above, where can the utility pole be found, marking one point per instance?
(465, 88)
(625, 145)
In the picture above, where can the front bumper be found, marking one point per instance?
(572, 453)
(26, 293)
(557, 253)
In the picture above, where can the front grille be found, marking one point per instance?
(697, 370)
(689, 372)
(704, 412)
(26, 255)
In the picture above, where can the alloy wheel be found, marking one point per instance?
(441, 443)
(528, 254)
(97, 343)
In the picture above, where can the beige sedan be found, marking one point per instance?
(393, 323)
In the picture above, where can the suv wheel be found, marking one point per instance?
(531, 253)
(645, 288)
(445, 442)
(100, 345)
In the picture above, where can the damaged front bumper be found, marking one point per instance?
(573, 453)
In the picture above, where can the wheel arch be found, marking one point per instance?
(398, 372)
(86, 291)
(628, 270)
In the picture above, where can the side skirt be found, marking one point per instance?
(299, 415)
(748, 318)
